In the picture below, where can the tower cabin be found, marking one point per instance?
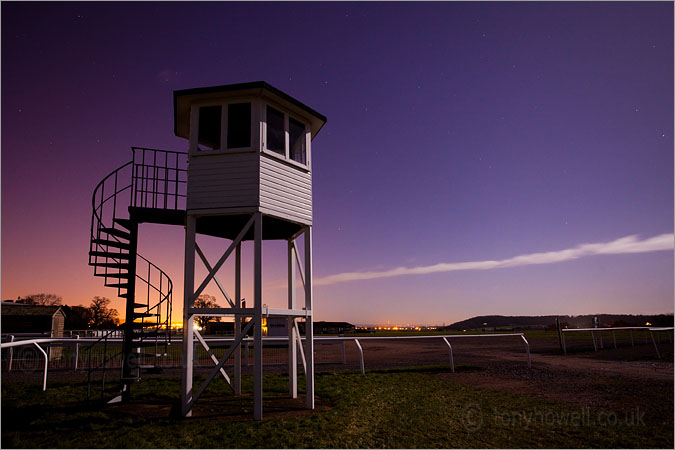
(249, 151)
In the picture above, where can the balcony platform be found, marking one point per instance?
(223, 226)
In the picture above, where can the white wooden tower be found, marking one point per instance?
(249, 177)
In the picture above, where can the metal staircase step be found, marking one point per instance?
(108, 243)
(126, 223)
(138, 315)
(118, 285)
(111, 255)
(119, 233)
(112, 265)
(140, 305)
(113, 275)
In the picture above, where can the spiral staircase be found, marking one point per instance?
(148, 189)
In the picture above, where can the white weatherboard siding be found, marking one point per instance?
(285, 190)
(223, 181)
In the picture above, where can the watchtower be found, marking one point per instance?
(249, 177)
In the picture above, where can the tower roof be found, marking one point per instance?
(183, 98)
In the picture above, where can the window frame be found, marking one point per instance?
(223, 103)
(286, 156)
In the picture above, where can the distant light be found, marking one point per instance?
(649, 324)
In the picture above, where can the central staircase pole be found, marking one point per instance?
(130, 362)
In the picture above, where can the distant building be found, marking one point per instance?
(21, 318)
(33, 319)
(223, 328)
(277, 326)
(333, 327)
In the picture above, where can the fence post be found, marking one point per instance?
(658, 355)
(76, 356)
(452, 359)
(344, 355)
(44, 377)
(560, 337)
(11, 354)
(363, 366)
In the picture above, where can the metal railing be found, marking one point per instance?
(106, 201)
(159, 179)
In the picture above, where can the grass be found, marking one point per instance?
(396, 408)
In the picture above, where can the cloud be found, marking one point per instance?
(628, 244)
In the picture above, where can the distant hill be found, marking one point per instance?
(544, 322)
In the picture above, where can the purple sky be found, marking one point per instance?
(457, 132)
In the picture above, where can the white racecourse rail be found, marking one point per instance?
(76, 341)
(613, 330)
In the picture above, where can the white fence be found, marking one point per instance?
(32, 350)
(598, 333)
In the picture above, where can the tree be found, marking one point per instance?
(102, 316)
(205, 301)
(77, 317)
(42, 299)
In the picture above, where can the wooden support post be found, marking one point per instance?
(309, 324)
(257, 334)
(292, 344)
(237, 320)
(188, 319)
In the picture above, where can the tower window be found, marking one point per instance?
(238, 125)
(296, 138)
(276, 136)
(209, 127)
